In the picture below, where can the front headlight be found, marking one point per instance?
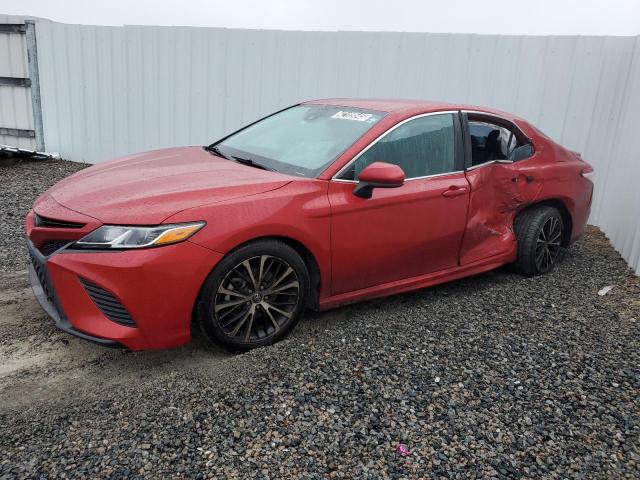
(116, 237)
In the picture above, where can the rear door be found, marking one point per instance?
(502, 178)
(407, 231)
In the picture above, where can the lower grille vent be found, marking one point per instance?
(109, 305)
(47, 248)
(43, 277)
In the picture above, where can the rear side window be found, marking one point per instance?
(421, 147)
(491, 142)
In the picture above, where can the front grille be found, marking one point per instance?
(52, 223)
(43, 276)
(47, 248)
(108, 304)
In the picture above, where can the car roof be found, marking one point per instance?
(382, 104)
(405, 106)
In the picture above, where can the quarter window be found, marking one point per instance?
(490, 142)
(421, 147)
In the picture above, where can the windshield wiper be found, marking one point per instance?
(216, 151)
(251, 163)
(213, 149)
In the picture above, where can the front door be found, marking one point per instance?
(407, 231)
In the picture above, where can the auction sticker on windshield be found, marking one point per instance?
(358, 116)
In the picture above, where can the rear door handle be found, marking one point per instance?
(528, 179)
(455, 191)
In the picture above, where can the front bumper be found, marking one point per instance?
(47, 297)
(157, 286)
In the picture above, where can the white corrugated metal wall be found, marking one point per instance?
(617, 210)
(108, 91)
(15, 101)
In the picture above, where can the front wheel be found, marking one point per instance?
(255, 296)
(539, 233)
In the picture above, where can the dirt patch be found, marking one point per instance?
(40, 363)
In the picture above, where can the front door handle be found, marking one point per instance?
(455, 191)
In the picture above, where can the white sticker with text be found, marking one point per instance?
(357, 116)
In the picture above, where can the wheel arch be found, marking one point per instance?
(308, 257)
(309, 260)
(560, 205)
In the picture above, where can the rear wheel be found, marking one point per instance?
(539, 234)
(255, 296)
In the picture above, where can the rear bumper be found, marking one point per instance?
(157, 286)
(581, 211)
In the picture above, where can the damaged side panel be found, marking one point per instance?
(498, 192)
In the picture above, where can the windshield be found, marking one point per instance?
(302, 140)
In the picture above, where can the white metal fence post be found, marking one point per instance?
(34, 76)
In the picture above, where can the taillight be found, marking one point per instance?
(588, 173)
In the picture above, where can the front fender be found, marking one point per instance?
(299, 211)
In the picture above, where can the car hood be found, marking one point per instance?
(147, 188)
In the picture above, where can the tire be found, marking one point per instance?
(539, 234)
(240, 311)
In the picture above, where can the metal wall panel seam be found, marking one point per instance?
(34, 75)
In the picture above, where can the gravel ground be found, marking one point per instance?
(21, 185)
(491, 376)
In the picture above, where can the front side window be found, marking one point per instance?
(302, 140)
(490, 142)
(421, 147)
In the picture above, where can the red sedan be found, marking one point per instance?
(324, 203)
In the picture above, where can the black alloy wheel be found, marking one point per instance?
(539, 231)
(548, 244)
(255, 296)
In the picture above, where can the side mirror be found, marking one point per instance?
(378, 175)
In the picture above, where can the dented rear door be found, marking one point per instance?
(497, 192)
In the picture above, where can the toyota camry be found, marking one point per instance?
(321, 204)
